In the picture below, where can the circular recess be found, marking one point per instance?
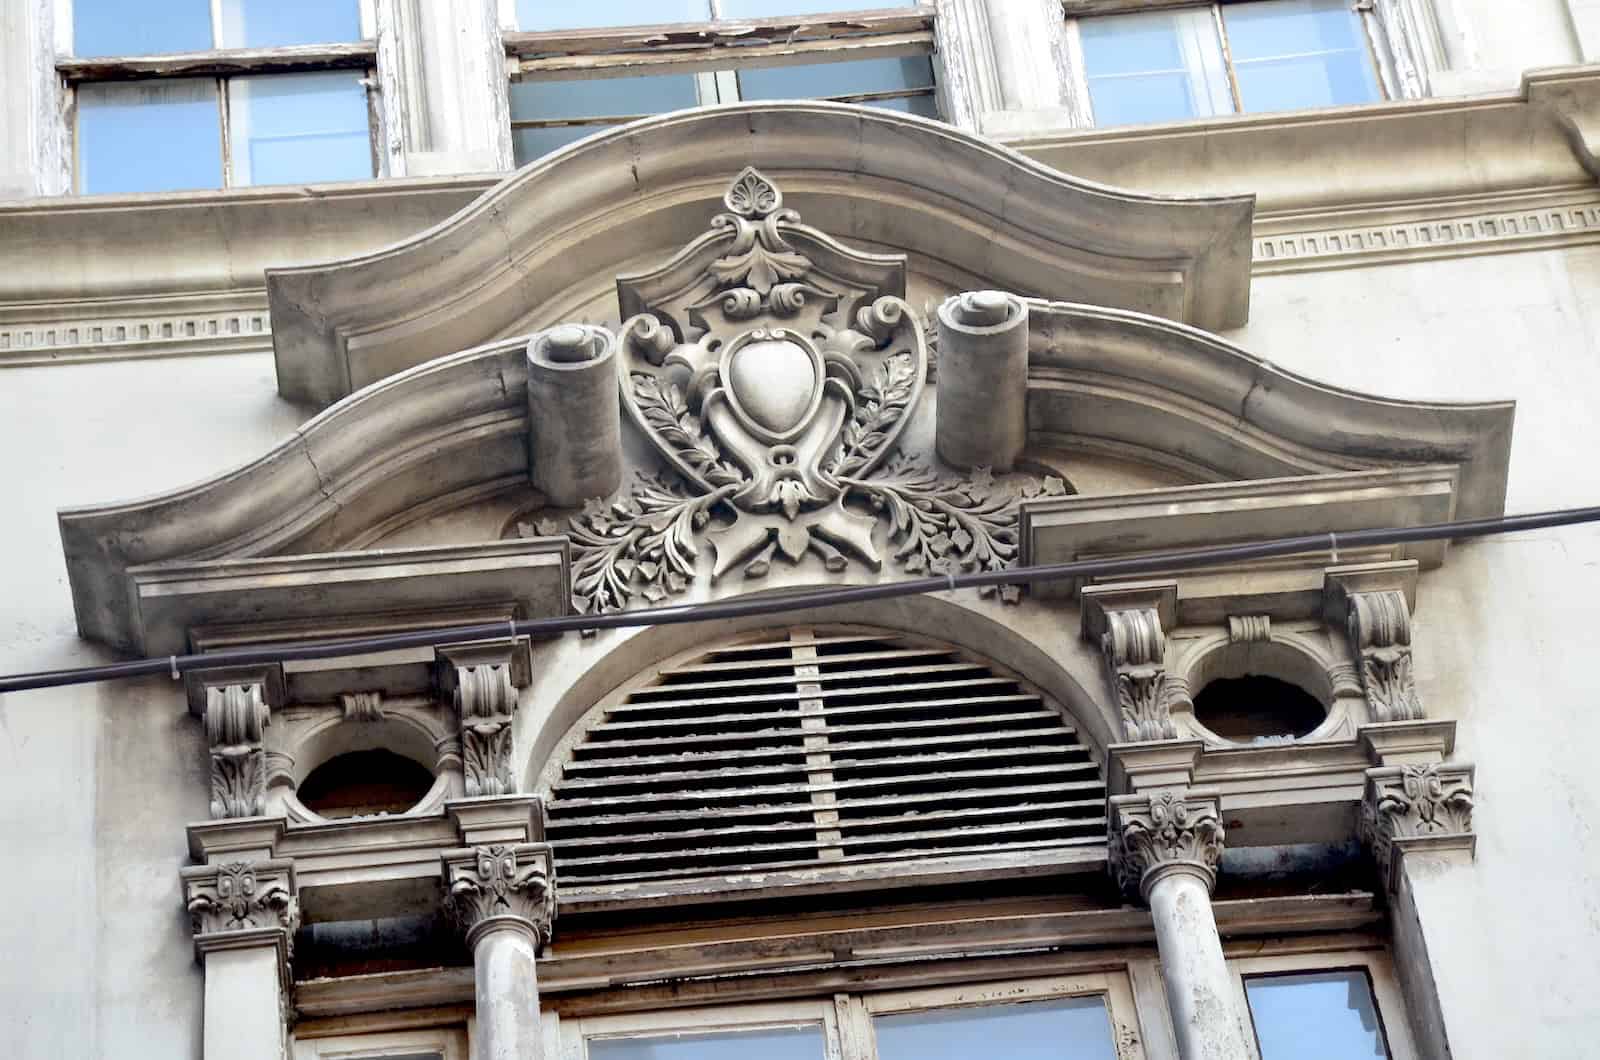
(1256, 706)
(363, 784)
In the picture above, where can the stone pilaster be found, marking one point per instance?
(482, 679)
(244, 915)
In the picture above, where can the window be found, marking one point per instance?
(219, 93)
(1228, 58)
(431, 1044)
(1080, 1017)
(1336, 1005)
(580, 68)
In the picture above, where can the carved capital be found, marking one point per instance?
(1379, 626)
(242, 903)
(501, 886)
(1424, 806)
(235, 714)
(482, 680)
(1164, 831)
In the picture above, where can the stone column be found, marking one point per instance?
(503, 899)
(1166, 845)
(244, 915)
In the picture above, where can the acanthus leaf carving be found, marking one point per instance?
(1134, 647)
(1163, 830)
(242, 896)
(482, 680)
(1379, 628)
(235, 715)
(1429, 803)
(493, 884)
(775, 370)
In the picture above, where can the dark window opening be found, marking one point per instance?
(1246, 708)
(363, 783)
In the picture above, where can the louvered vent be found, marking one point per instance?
(796, 747)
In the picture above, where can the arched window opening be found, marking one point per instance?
(364, 783)
(796, 747)
(1257, 706)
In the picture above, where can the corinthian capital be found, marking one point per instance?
(1417, 807)
(243, 904)
(1164, 831)
(500, 886)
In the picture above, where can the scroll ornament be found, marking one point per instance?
(774, 371)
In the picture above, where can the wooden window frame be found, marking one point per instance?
(222, 65)
(449, 1043)
(1402, 36)
(715, 50)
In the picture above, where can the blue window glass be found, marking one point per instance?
(149, 136)
(1290, 54)
(855, 77)
(1159, 66)
(615, 98)
(274, 23)
(785, 1043)
(298, 128)
(114, 27)
(1316, 1016)
(593, 14)
(1076, 1027)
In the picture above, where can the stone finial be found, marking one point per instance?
(1173, 830)
(501, 886)
(482, 679)
(235, 714)
(1417, 807)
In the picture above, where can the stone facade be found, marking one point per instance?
(724, 354)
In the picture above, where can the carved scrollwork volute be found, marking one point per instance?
(1164, 831)
(1416, 805)
(482, 681)
(1134, 647)
(1379, 628)
(235, 714)
(511, 885)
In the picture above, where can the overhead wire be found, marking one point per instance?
(776, 603)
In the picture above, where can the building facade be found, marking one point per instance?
(473, 334)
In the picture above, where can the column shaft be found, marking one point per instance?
(1199, 988)
(507, 995)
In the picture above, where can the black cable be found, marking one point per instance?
(799, 600)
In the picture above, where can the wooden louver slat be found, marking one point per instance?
(800, 748)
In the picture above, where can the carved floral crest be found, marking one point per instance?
(774, 370)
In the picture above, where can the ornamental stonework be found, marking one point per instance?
(1171, 829)
(774, 372)
(501, 885)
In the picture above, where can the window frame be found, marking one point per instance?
(1402, 38)
(449, 1043)
(1377, 963)
(715, 50)
(220, 65)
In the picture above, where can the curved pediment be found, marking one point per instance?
(534, 249)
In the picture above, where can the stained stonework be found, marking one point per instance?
(1426, 806)
(1162, 831)
(501, 885)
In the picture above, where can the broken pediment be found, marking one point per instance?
(531, 252)
(768, 402)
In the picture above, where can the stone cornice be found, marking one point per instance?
(340, 326)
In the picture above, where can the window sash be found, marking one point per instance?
(366, 17)
(1377, 53)
(1380, 971)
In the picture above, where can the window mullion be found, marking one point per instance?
(224, 113)
(216, 24)
(1227, 58)
(855, 1028)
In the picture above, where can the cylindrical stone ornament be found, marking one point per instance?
(574, 414)
(983, 380)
